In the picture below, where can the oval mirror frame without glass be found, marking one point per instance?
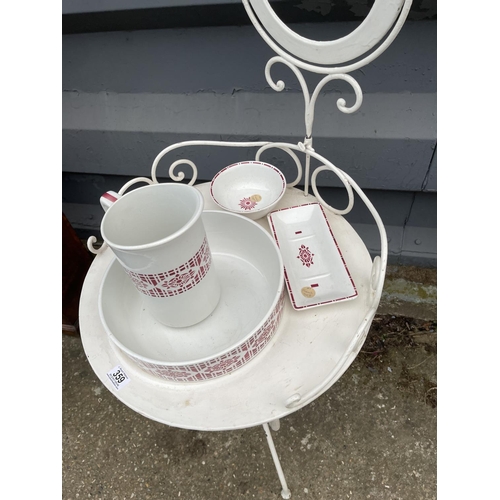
(382, 18)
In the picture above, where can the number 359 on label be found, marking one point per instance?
(118, 377)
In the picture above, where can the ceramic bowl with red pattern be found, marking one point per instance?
(249, 188)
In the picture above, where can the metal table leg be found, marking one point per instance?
(285, 492)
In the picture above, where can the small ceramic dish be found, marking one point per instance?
(250, 188)
(315, 270)
(251, 274)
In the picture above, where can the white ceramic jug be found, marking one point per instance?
(157, 234)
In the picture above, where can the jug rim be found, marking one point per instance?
(196, 215)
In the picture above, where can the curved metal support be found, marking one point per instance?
(341, 103)
(310, 103)
(350, 202)
(135, 181)
(344, 178)
(379, 267)
(280, 85)
(263, 146)
(178, 145)
(310, 99)
(291, 153)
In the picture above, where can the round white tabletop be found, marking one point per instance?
(310, 351)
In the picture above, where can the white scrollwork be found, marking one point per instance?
(341, 103)
(181, 175)
(90, 245)
(309, 105)
(171, 171)
(310, 100)
(344, 181)
(135, 181)
(291, 153)
(280, 85)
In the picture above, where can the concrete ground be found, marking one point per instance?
(372, 435)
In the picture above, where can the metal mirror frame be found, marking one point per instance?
(385, 19)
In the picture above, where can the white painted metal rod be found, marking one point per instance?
(285, 492)
(162, 153)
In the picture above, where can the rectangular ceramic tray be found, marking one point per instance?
(315, 271)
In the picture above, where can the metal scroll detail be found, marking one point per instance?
(362, 46)
(335, 59)
(310, 99)
(309, 107)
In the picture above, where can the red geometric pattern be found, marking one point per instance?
(226, 363)
(175, 281)
(305, 255)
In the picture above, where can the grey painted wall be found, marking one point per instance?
(129, 94)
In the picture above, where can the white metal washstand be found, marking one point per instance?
(311, 348)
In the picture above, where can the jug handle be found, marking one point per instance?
(108, 198)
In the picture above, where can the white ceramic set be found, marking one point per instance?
(193, 295)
